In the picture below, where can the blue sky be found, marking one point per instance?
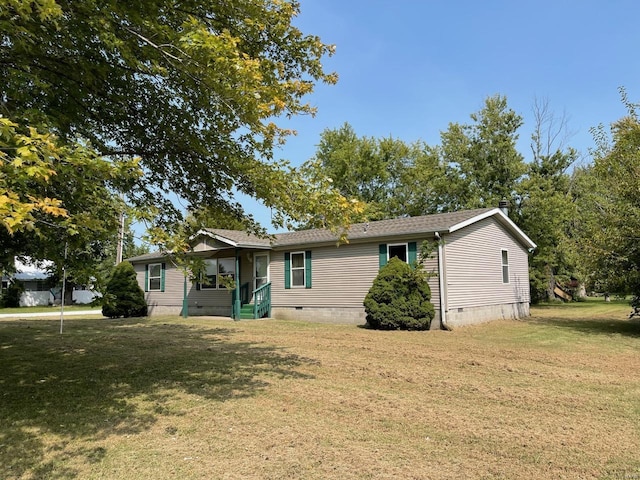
(408, 68)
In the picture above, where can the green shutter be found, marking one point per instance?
(413, 254)
(146, 278)
(287, 270)
(163, 266)
(307, 268)
(382, 254)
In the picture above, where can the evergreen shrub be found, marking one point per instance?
(399, 298)
(124, 297)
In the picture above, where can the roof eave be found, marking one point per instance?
(505, 220)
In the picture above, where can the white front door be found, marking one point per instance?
(260, 269)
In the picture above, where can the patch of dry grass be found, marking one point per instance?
(556, 396)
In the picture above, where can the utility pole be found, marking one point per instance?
(120, 240)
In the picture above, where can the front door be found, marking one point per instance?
(260, 269)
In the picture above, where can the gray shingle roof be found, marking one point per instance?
(442, 222)
(242, 239)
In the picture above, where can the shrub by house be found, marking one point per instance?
(124, 297)
(399, 298)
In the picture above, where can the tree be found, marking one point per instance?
(482, 162)
(389, 176)
(609, 218)
(194, 89)
(124, 297)
(57, 198)
(546, 209)
(399, 298)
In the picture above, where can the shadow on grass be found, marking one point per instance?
(105, 377)
(597, 326)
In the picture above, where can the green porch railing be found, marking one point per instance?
(261, 306)
(262, 301)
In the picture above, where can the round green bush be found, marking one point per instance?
(399, 299)
(124, 297)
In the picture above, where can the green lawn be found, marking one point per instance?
(555, 396)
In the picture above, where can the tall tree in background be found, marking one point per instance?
(193, 89)
(545, 208)
(610, 207)
(393, 178)
(483, 163)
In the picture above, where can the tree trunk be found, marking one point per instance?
(551, 284)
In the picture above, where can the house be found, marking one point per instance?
(481, 268)
(34, 280)
(40, 289)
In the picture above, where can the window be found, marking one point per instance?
(397, 250)
(211, 274)
(505, 266)
(215, 269)
(297, 269)
(407, 252)
(154, 277)
(227, 269)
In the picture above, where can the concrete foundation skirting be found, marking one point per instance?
(459, 317)
(356, 315)
(340, 315)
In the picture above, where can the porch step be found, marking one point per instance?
(246, 311)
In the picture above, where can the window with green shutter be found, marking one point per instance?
(297, 269)
(407, 252)
(154, 274)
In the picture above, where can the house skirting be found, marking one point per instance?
(356, 315)
(458, 317)
(343, 315)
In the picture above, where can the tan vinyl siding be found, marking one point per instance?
(173, 285)
(206, 244)
(174, 288)
(341, 276)
(474, 267)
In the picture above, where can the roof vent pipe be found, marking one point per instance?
(503, 205)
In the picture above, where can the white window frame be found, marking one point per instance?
(154, 277)
(505, 266)
(406, 251)
(214, 284)
(255, 263)
(303, 268)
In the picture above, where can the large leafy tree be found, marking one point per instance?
(390, 176)
(192, 88)
(57, 198)
(610, 208)
(546, 209)
(482, 161)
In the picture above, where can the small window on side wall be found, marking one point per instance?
(154, 277)
(505, 266)
(397, 250)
